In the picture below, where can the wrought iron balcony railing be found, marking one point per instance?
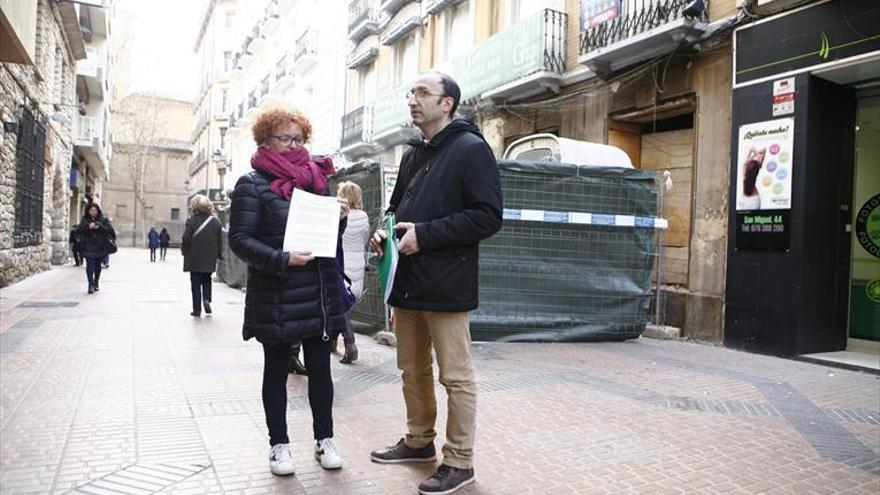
(355, 126)
(306, 44)
(635, 17)
(264, 86)
(360, 11)
(281, 68)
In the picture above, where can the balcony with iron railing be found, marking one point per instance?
(90, 143)
(305, 52)
(640, 30)
(363, 19)
(365, 53)
(93, 71)
(356, 127)
(284, 75)
(390, 7)
(271, 20)
(250, 108)
(200, 126)
(199, 160)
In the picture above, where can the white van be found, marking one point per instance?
(551, 148)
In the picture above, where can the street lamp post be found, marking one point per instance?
(219, 160)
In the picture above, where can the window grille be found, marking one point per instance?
(29, 181)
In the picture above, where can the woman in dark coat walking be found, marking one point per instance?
(95, 233)
(153, 242)
(201, 248)
(164, 242)
(291, 297)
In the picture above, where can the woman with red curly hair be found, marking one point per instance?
(291, 297)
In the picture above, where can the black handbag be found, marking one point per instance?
(111, 245)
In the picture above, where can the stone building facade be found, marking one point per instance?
(37, 82)
(150, 155)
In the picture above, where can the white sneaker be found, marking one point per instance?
(327, 452)
(280, 460)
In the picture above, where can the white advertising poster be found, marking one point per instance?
(764, 165)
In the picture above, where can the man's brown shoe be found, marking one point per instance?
(400, 453)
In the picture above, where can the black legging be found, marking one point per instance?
(276, 358)
(162, 251)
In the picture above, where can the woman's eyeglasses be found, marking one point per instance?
(287, 139)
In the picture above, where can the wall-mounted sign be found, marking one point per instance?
(783, 97)
(763, 185)
(595, 12)
(802, 39)
(868, 226)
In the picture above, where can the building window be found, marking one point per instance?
(227, 61)
(121, 211)
(230, 19)
(223, 137)
(224, 97)
(29, 181)
(458, 30)
(405, 61)
(366, 84)
(175, 214)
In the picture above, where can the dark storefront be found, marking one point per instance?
(803, 261)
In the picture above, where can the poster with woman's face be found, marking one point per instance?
(764, 165)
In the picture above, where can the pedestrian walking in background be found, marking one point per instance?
(291, 297)
(354, 245)
(164, 242)
(201, 248)
(153, 243)
(447, 199)
(95, 236)
(73, 240)
(105, 261)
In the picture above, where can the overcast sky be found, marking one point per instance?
(162, 60)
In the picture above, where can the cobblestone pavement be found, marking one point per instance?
(124, 392)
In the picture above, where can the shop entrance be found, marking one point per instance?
(863, 328)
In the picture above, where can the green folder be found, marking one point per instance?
(388, 263)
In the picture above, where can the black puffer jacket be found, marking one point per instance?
(283, 303)
(450, 189)
(94, 243)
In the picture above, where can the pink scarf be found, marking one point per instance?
(293, 169)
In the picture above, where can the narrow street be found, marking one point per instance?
(124, 392)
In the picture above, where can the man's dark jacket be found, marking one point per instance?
(283, 303)
(449, 187)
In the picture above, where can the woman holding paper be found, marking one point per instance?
(291, 296)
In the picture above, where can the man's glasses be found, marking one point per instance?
(421, 94)
(286, 139)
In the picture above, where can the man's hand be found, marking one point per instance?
(300, 258)
(376, 242)
(409, 243)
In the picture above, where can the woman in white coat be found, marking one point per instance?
(354, 246)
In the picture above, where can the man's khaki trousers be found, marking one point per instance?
(449, 333)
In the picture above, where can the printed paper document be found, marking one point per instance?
(312, 224)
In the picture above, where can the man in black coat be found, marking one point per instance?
(73, 240)
(446, 200)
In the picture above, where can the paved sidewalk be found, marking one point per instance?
(124, 392)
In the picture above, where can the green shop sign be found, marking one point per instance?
(503, 58)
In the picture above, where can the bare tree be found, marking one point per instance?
(140, 128)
